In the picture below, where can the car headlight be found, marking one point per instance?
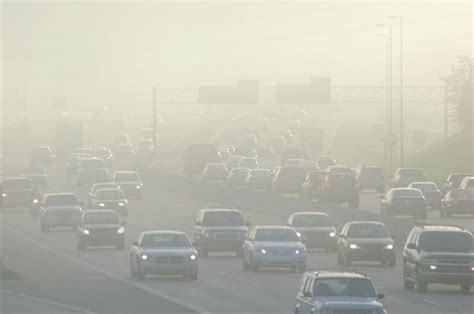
(35, 201)
(263, 251)
(332, 234)
(121, 230)
(299, 251)
(139, 187)
(298, 234)
(193, 257)
(4, 194)
(354, 246)
(472, 268)
(86, 232)
(389, 247)
(101, 205)
(433, 267)
(144, 257)
(121, 204)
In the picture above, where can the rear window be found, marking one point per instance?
(240, 171)
(411, 172)
(20, 184)
(126, 177)
(407, 193)
(458, 242)
(367, 231)
(341, 178)
(343, 287)
(425, 188)
(109, 195)
(223, 219)
(312, 221)
(61, 200)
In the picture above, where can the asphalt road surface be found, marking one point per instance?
(56, 278)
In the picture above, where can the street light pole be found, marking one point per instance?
(387, 99)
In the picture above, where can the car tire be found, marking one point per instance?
(407, 283)
(44, 228)
(466, 287)
(420, 284)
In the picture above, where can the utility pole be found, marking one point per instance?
(154, 121)
(446, 112)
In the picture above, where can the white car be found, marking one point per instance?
(163, 253)
(274, 246)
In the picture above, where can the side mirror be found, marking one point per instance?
(124, 222)
(135, 243)
(411, 246)
(380, 296)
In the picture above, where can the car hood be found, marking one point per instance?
(168, 251)
(348, 302)
(272, 244)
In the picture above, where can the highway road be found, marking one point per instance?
(56, 278)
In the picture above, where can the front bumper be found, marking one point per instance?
(371, 255)
(447, 277)
(280, 261)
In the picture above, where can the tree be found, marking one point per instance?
(460, 88)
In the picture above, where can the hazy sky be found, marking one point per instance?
(94, 52)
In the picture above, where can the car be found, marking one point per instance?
(149, 133)
(404, 176)
(215, 171)
(248, 162)
(325, 161)
(265, 152)
(163, 253)
(365, 241)
(144, 146)
(37, 175)
(457, 201)
(73, 164)
(130, 183)
(92, 175)
(259, 179)
(277, 143)
(274, 246)
(60, 216)
(224, 154)
(371, 177)
(92, 162)
(316, 228)
(294, 163)
(84, 151)
(313, 183)
(237, 176)
(290, 152)
(453, 180)
(233, 161)
(245, 151)
(17, 192)
(101, 227)
(99, 186)
(110, 199)
(340, 188)
(220, 230)
(467, 183)
(337, 291)
(288, 179)
(103, 153)
(42, 155)
(438, 254)
(404, 201)
(430, 192)
(313, 137)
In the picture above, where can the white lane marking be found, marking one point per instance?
(431, 302)
(240, 279)
(66, 306)
(131, 283)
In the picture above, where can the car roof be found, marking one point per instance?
(443, 228)
(337, 274)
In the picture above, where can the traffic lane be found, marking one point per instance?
(48, 274)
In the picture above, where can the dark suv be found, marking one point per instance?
(340, 188)
(220, 230)
(17, 192)
(438, 254)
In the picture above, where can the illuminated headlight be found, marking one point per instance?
(4, 194)
(121, 230)
(298, 234)
(389, 247)
(263, 251)
(299, 251)
(145, 257)
(101, 205)
(86, 232)
(35, 201)
(193, 257)
(332, 234)
(433, 267)
(121, 204)
(472, 268)
(139, 187)
(354, 246)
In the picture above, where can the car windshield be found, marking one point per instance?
(407, 193)
(103, 218)
(109, 195)
(20, 184)
(126, 177)
(367, 231)
(343, 287)
(223, 219)
(261, 172)
(312, 221)
(411, 172)
(164, 241)
(61, 199)
(446, 242)
(462, 194)
(276, 235)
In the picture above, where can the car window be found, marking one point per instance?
(109, 195)
(446, 242)
(126, 177)
(61, 200)
(353, 287)
(276, 235)
(218, 219)
(164, 240)
(367, 231)
(103, 218)
(311, 221)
